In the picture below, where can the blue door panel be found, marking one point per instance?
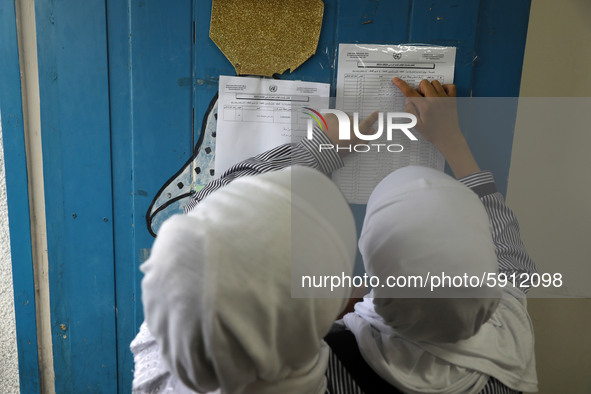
(374, 21)
(75, 124)
(500, 45)
(120, 105)
(452, 23)
(162, 108)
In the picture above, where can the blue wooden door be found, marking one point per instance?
(124, 86)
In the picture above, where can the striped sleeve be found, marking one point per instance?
(511, 253)
(338, 379)
(306, 153)
(493, 386)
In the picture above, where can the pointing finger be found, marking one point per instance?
(405, 88)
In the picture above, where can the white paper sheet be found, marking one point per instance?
(254, 115)
(364, 85)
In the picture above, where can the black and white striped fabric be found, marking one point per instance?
(338, 378)
(511, 253)
(493, 386)
(305, 153)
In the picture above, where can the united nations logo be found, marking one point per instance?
(272, 88)
(397, 56)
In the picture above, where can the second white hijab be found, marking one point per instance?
(420, 220)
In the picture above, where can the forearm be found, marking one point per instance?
(458, 155)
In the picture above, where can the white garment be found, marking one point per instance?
(217, 290)
(151, 374)
(421, 221)
(503, 348)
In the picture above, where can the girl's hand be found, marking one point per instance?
(434, 105)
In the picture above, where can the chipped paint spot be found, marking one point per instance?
(184, 81)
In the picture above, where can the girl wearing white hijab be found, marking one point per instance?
(421, 221)
(267, 341)
(217, 286)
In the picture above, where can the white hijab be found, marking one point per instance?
(421, 221)
(217, 290)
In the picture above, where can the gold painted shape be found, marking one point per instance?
(264, 37)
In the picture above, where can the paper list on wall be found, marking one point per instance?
(255, 115)
(364, 85)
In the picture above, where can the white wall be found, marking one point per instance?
(550, 188)
(8, 352)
